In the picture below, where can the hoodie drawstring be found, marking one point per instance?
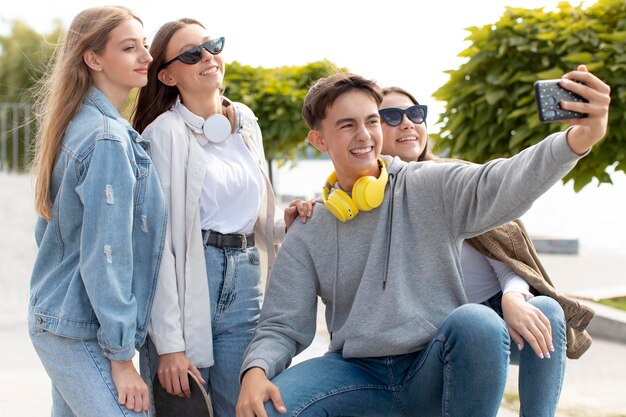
(389, 223)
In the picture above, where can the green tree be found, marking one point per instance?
(24, 55)
(276, 96)
(490, 110)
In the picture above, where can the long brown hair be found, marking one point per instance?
(156, 98)
(60, 96)
(425, 155)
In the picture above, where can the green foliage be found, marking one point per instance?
(619, 302)
(276, 96)
(490, 109)
(24, 55)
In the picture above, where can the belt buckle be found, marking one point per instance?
(244, 242)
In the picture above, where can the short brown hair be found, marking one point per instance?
(326, 90)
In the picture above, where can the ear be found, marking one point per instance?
(315, 138)
(166, 78)
(91, 59)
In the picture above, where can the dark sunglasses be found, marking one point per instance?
(393, 116)
(194, 55)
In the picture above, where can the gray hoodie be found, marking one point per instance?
(390, 276)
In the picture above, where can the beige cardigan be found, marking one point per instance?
(179, 320)
(511, 244)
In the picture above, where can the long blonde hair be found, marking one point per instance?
(60, 95)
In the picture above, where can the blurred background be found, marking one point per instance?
(472, 64)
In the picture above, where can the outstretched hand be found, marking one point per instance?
(589, 130)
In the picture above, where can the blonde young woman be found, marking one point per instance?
(498, 267)
(102, 220)
(223, 224)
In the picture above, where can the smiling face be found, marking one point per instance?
(350, 133)
(192, 80)
(407, 140)
(123, 64)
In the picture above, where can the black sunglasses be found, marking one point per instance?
(393, 116)
(194, 55)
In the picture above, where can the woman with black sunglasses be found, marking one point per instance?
(223, 223)
(497, 270)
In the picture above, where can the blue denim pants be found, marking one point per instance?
(461, 372)
(80, 377)
(234, 277)
(540, 380)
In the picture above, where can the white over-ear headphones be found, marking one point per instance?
(216, 128)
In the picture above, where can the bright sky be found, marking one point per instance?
(408, 43)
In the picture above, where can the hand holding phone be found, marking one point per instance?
(549, 94)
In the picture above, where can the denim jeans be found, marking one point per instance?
(540, 380)
(235, 290)
(461, 372)
(80, 376)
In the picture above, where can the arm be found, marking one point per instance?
(509, 280)
(106, 264)
(287, 324)
(476, 198)
(165, 321)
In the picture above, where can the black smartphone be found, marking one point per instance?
(549, 94)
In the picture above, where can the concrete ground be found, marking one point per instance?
(595, 385)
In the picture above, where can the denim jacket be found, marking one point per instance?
(99, 255)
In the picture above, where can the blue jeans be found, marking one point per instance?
(540, 380)
(461, 372)
(80, 376)
(235, 290)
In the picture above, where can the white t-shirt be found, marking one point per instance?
(233, 187)
(484, 277)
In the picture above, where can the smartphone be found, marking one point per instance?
(549, 94)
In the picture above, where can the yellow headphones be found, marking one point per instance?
(367, 194)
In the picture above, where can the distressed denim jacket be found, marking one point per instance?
(99, 255)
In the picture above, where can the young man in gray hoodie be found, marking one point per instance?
(383, 255)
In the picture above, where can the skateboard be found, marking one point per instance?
(167, 405)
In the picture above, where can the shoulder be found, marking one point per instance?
(168, 121)
(89, 127)
(246, 119)
(244, 111)
(321, 222)
(164, 129)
